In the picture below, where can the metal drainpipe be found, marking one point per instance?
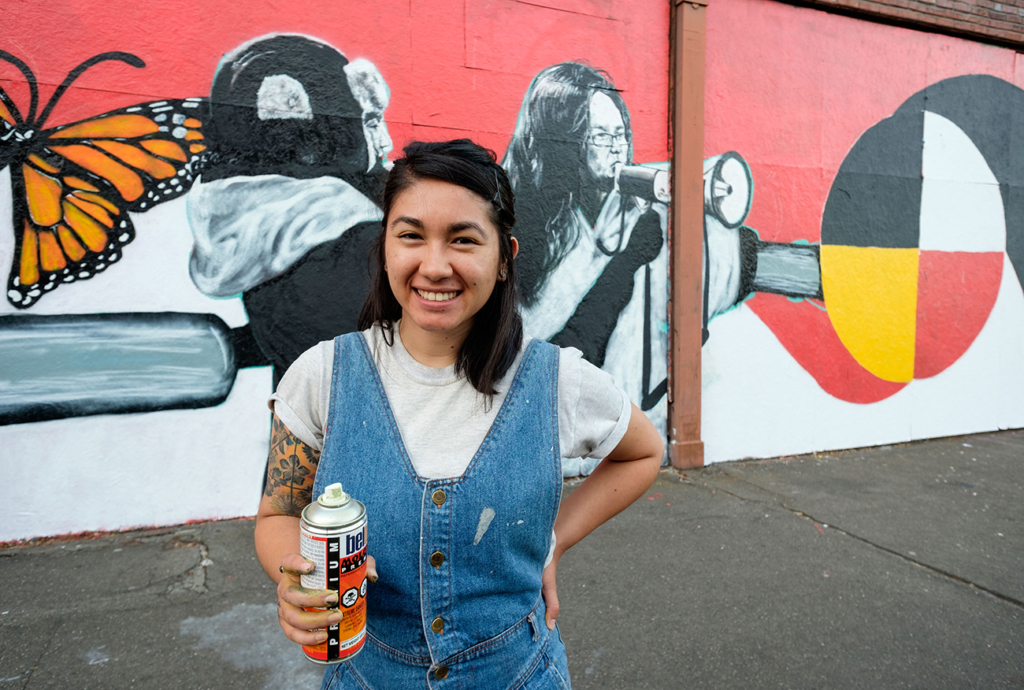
(686, 450)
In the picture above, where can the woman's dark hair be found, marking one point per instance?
(497, 332)
(546, 163)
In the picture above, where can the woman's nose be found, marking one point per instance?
(435, 265)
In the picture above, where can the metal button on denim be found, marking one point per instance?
(441, 672)
(436, 559)
(439, 497)
(438, 627)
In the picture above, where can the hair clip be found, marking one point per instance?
(497, 192)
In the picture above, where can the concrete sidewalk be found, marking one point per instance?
(889, 567)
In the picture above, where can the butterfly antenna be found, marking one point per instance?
(126, 58)
(30, 78)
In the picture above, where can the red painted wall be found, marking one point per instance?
(454, 68)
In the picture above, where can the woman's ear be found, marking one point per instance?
(515, 246)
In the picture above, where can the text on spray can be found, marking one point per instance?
(332, 535)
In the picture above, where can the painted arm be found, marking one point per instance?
(291, 471)
(621, 478)
(590, 327)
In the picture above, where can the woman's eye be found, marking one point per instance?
(464, 240)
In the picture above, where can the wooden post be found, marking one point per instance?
(686, 450)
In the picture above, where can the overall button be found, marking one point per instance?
(438, 627)
(441, 672)
(439, 497)
(436, 559)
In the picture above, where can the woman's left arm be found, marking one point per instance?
(621, 478)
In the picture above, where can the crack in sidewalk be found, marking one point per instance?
(931, 568)
(806, 516)
(42, 653)
(195, 579)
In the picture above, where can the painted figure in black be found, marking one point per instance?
(583, 242)
(284, 212)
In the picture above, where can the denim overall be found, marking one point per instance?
(458, 603)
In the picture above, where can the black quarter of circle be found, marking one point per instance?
(875, 200)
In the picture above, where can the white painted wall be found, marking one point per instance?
(110, 472)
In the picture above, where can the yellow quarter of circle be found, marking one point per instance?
(871, 297)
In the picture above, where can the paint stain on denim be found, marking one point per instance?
(486, 515)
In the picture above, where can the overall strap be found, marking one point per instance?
(363, 450)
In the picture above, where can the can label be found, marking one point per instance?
(339, 563)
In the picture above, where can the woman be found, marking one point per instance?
(582, 241)
(450, 429)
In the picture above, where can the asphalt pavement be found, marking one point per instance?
(889, 567)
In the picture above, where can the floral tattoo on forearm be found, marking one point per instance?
(291, 471)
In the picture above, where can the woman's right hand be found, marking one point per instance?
(301, 626)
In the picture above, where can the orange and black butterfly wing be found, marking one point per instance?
(12, 126)
(75, 184)
(9, 115)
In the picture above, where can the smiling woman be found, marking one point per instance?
(442, 258)
(447, 228)
(450, 428)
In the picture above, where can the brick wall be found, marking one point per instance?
(995, 22)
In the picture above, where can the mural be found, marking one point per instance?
(291, 164)
(284, 215)
(894, 222)
(241, 163)
(593, 257)
(72, 184)
(891, 273)
(75, 365)
(285, 212)
(863, 223)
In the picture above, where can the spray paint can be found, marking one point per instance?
(332, 534)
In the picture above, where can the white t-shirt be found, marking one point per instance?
(441, 417)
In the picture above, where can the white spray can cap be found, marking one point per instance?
(333, 496)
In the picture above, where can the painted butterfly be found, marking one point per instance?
(73, 185)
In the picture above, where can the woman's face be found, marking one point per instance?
(606, 143)
(442, 256)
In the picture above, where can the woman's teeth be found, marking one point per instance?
(436, 296)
